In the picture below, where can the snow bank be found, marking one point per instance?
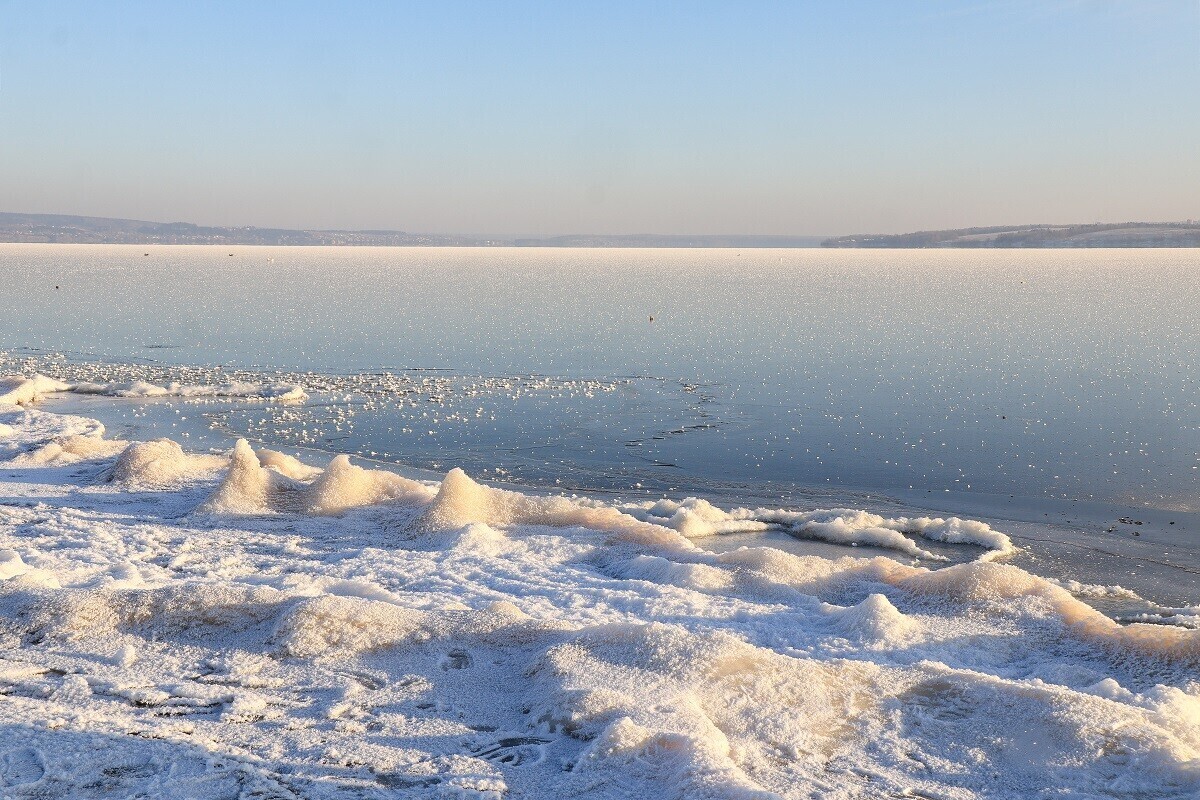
(1000, 584)
(540, 647)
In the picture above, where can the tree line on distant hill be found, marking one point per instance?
(1125, 234)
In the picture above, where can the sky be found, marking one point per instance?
(818, 118)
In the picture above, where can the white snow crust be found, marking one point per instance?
(244, 625)
(696, 517)
(21, 390)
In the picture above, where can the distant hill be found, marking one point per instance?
(102, 230)
(670, 240)
(66, 229)
(1123, 234)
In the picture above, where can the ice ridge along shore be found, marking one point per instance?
(21, 390)
(242, 624)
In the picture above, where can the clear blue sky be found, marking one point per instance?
(555, 117)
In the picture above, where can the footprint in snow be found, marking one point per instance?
(457, 659)
(368, 681)
(21, 766)
(401, 781)
(514, 751)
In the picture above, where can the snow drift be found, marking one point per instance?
(216, 625)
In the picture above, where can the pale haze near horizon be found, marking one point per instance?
(543, 118)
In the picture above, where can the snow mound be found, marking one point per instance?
(345, 625)
(70, 450)
(194, 608)
(874, 620)
(130, 389)
(662, 703)
(461, 501)
(246, 485)
(268, 482)
(961, 531)
(13, 566)
(160, 464)
(344, 485)
(999, 585)
(656, 569)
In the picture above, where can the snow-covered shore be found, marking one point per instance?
(242, 624)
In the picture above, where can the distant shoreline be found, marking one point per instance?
(65, 229)
(1122, 235)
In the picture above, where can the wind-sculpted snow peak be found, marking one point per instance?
(270, 482)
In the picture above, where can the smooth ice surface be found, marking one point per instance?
(1053, 374)
(244, 624)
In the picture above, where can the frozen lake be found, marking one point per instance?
(1041, 374)
(831, 524)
